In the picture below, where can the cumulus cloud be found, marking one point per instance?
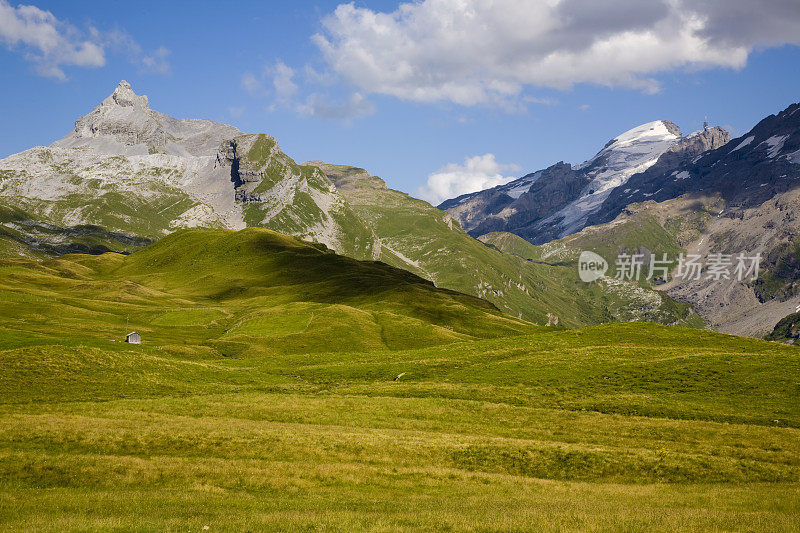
(477, 173)
(52, 44)
(47, 42)
(489, 51)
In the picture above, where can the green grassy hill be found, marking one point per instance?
(282, 387)
(253, 292)
(416, 236)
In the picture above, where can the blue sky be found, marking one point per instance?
(393, 91)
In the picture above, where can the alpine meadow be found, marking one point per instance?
(201, 332)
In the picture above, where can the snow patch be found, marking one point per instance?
(632, 152)
(682, 175)
(744, 143)
(775, 145)
(517, 188)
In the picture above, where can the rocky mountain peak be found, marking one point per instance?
(124, 124)
(124, 96)
(122, 118)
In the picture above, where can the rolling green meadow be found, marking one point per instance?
(280, 386)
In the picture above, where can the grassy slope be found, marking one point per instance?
(622, 426)
(22, 236)
(642, 233)
(614, 427)
(252, 292)
(443, 252)
(302, 215)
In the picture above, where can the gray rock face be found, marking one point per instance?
(127, 168)
(243, 178)
(124, 124)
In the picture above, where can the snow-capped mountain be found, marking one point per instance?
(740, 198)
(560, 200)
(747, 171)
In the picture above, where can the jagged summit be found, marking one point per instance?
(123, 123)
(124, 96)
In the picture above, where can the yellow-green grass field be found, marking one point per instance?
(265, 396)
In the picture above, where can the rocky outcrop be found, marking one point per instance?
(242, 178)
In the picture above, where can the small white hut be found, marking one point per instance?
(133, 338)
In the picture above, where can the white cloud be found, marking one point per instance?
(157, 61)
(47, 42)
(317, 78)
(477, 173)
(282, 81)
(541, 101)
(277, 82)
(51, 44)
(122, 42)
(279, 76)
(355, 106)
(250, 83)
(491, 51)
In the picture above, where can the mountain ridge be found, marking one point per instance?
(554, 202)
(134, 173)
